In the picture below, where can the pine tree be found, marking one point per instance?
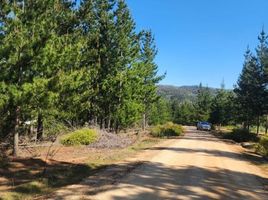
(160, 112)
(184, 113)
(262, 56)
(219, 107)
(250, 90)
(15, 54)
(28, 63)
(125, 56)
(105, 53)
(203, 103)
(149, 71)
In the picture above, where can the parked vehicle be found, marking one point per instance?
(203, 126)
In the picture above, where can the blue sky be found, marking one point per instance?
(201, 40)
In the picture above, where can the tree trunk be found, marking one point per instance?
(16, 133)
(95, 121)
(116, 127)
(144, 122)
(90, 119)
(109, 123)
(102, 123)
(266, 126)
(258, 125)
(244, 125)
(248, 126)
(40, 129)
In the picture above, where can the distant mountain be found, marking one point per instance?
(181, 93)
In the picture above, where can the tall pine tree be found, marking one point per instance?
(249, 91)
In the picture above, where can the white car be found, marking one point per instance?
(203, 126)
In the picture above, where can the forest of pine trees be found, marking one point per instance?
(67, 64)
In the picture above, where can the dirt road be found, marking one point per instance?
(198, 166)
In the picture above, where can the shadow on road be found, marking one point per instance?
(198, 183)
(190, 182)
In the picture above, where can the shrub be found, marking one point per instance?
(262, 146)
(241, 135)
(83, 136)
(166, 130)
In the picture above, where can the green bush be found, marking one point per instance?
(83, 136)
(262, 146)
(166, 130)
(241, 135)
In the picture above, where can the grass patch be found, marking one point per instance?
(167, 130)
(241, 135)
(83, 136)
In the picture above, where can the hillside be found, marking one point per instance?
(181, 93)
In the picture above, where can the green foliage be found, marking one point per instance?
(262, 146)
(222, 108)
(54, 127)
(203, 104)
(241, 135)
(160, 112)
(166, 130)
(73, 66)
(83, 136)
(188, 112)
(183, 113)
(251, 91)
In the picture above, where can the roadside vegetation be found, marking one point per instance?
(167, 130)
(262, 146)
(239, 135)
(83, 136)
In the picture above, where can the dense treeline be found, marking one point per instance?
(216, 107)
(247, 104)
(63, 63)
